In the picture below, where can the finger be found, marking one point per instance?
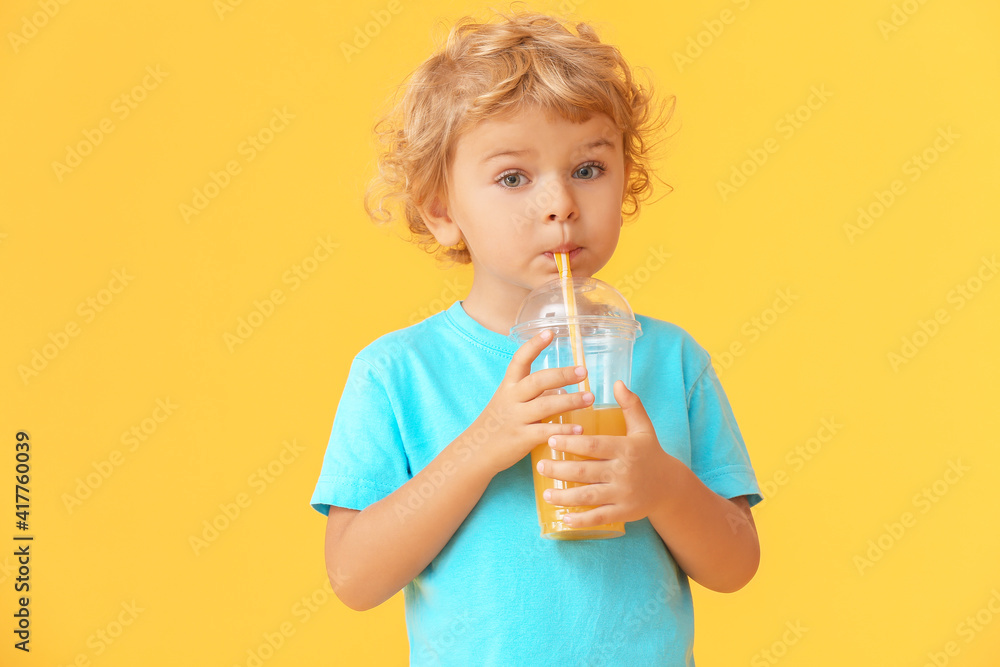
(537, 435)
(585, 496)
(596, 517)
(590, 445)
(636, 419)
(549, 379)
(520, 365)
(544, 407)
(582, 472)
(543, 431)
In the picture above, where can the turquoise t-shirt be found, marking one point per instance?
(498, 593)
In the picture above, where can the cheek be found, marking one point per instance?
(612, 236)
(609, 204)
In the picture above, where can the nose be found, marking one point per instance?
(562, 205)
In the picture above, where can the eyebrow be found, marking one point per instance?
(510, 153)
(597, 143)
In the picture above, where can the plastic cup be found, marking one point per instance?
(600, 317)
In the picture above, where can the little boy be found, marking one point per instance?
(519, 139)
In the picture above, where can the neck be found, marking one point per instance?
(494, 309)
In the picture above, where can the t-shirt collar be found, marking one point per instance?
(477, 332)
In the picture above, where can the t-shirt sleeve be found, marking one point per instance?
(365, 460)
(718, 454)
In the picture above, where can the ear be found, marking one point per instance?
(440, 224)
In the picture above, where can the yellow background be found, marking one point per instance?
(161, 336)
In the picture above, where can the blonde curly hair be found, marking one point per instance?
(491, 70)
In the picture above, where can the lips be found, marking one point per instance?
(569, 248)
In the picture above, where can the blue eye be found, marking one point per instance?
(589, 171)
(511, 179)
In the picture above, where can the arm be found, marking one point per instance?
(417, 519)
(713, 539)
(374, 553)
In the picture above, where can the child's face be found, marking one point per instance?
(526, 186)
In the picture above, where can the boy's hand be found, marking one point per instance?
(627, 482)
(510, 426)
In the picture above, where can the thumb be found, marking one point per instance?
(636, 419)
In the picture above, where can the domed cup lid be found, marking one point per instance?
(600, 310)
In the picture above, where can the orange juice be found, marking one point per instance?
(600, 421)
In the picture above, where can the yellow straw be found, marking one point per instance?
(576, 340)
